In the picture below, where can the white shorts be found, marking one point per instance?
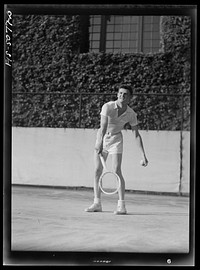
(112, 144)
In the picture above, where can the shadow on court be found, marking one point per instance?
(48, 219)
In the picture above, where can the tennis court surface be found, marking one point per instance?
(48, 219)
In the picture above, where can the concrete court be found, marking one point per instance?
(48, 219)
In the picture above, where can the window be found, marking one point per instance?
(151, 33)
(95, 27)
(125, 34)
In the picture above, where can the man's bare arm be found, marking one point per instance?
(140, 144)
(102, 132)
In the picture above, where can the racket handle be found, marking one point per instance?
(103, 161)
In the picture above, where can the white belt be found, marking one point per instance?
(111, 134)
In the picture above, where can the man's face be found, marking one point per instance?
(123, 95)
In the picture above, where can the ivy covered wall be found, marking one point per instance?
(47, 57)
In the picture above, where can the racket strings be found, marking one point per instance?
(109, 183)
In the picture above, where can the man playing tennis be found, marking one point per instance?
(114, 116)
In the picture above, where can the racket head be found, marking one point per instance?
(109, 183)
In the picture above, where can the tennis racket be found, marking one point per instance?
(109, 182)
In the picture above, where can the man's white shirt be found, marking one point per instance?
(116, 123)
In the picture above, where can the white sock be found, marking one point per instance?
(121, 203)
(97, 200)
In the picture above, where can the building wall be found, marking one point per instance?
(64, 157)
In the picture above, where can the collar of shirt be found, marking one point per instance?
(127, 109)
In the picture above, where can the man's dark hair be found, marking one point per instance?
(128, 87)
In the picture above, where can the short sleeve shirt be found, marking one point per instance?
(115, 123)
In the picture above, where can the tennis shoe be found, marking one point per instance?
(120, 211)
(95, 207)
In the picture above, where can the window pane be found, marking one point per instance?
(125, 35)
(110, 28)
(126, 19)
(155, 35)
(156, 19)
(118, 19)
(134, 35)
(133, 44)
(96, 28)
(109, 44)
(147, 27)
(156, 27)
(134, 19)
(125, 44)
(110, 20)
(109, 36)
(117, 36)
(95, 44)
(155, 43)
(147, 43)
(147, 19)
(118, 28)
(97, 19)
(126, 28)
(134, 27)
(147, 35)
(117, 44)
(96, 36)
